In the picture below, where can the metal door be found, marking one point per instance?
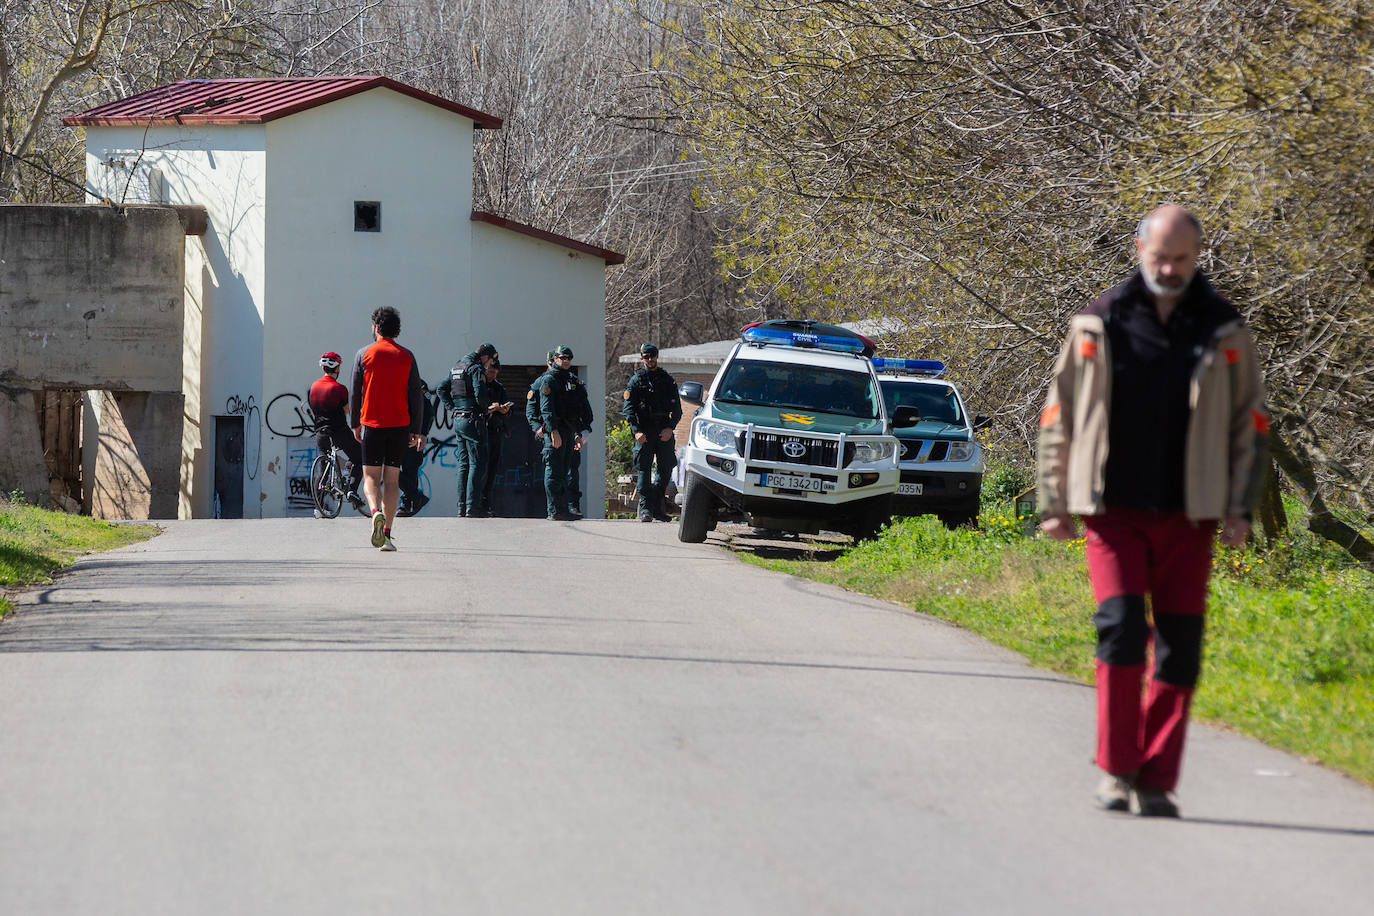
(228, 467)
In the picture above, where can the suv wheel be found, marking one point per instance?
(697, 509)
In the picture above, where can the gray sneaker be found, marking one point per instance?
(1154, 803)
(1114, 793)
(387, 546)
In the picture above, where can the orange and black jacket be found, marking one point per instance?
(387, 391)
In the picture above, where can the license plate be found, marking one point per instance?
(794, 482)
(908, 489)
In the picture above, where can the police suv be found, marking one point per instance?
(793, 434)
(941, 461)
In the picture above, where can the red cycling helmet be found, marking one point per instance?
(331, 360)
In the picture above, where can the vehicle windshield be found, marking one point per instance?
(935, 402)
(812, 388)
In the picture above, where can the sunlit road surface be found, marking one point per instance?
(532, 717)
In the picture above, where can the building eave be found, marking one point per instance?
(606, 254)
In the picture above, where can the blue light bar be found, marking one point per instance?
(932, 367)
(763, 336)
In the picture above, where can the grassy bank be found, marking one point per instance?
(35, 543)
(1290, 638)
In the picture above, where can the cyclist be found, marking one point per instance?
(329, 404)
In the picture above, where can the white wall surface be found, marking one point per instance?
(324, 279)
(531, 296)
(224, 170)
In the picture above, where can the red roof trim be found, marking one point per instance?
(610, 257)
(252, 101)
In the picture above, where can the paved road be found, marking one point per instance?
(271, 717)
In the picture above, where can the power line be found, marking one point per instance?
(51, 174)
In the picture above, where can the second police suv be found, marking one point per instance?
(793, 434)
(941, 461)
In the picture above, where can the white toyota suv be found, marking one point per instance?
(793, 434)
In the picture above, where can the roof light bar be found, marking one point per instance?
(761, 336)
(931, 367)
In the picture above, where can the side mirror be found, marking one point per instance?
(905, 416)
(982, 421)
(692, 391)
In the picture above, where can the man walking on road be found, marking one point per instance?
(1154, 431)
(652, 408)
(385, 411)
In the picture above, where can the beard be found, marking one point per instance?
(1171, 288)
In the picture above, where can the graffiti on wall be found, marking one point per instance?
(288, 417)
(298, 462)
(236, 406)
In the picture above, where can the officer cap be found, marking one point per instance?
(563, 351)
(487, 349)
(648, 349)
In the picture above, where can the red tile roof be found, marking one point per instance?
(610, 257)
(250, 101)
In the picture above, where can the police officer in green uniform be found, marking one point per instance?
(583, 425)
(496, 431)
(466, 395)
(558, 415)
(652, 409)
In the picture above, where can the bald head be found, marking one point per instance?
(1170, 218)
(1168, 241)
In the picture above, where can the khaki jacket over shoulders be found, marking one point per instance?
(1228, 429)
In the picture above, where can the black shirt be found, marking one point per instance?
(1152, 371)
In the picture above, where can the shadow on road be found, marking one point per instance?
(1269, 825)
(776, 545)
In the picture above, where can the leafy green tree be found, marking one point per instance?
(972, 175)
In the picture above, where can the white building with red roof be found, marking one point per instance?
(328, 197)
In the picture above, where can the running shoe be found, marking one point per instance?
(387, 545)
(378, 526)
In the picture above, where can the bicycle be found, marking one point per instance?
(327, 488)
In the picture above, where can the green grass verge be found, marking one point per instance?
(35, 543)
(1289, 657)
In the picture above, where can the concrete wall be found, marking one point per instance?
(90, 297)
(137, 468)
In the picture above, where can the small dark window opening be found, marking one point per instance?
(367, 216)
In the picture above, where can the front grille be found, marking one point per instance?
(816, 452)
(911, 449)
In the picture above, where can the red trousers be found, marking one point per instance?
(1133, 553)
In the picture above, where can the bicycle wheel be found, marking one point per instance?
(327, 499)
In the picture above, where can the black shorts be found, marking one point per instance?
(385, 446)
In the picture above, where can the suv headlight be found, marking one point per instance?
(960, 451)
(873, 452)
(719, 436)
